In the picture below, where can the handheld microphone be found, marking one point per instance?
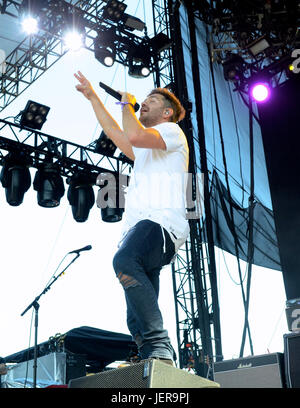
(116, 94)
(86, 248)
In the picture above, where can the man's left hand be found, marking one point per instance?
(127, 97)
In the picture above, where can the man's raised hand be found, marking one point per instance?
(84, 85)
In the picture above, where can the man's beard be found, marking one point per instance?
(148, 121)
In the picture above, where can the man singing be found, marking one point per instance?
(155, 223)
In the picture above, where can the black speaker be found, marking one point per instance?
(148, 373)
(264, 371)
(292, 359)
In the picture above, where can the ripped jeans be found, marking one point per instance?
(137, 265)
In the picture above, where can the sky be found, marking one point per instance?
(34, 240)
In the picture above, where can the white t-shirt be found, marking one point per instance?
(157, 185)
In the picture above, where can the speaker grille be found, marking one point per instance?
(146, 374)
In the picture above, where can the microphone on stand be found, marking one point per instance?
(86, 248)
(116, 94)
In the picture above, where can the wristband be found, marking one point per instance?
(124, 103)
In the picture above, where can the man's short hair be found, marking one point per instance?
(171, 102)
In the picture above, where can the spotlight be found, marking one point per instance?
(15, 177)
(30, 11)
(133, 23)
(81, 196)
(105, 47)
(139, 61)
(233, 68)
(49, 185)
(258, 46)
(73, 40)
(34, 115)
(30, 25)
(114, 10)
(138, 71)
(111, 198)
(260, 91)
(160, 42)
(105, 56)
(105, 146)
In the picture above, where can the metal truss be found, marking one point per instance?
(71, 158)
(234, 27)
(163, 74)
(38, 52)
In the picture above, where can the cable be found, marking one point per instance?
(230, 276)
(276, 326)
(55, 242)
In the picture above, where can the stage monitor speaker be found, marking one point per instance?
(149, 373)
(264, 371)
(292, 359)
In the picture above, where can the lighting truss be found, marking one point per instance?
(70, 157)
(164, 65)
(235, 27)
(38, 52)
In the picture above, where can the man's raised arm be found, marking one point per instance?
(107, 122)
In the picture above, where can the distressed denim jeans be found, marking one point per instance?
(137, 265)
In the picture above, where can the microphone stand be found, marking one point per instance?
(36, 307)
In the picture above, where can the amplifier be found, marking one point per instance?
(148, 373)
(292, 359)
(264, 371)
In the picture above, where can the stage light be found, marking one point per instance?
(81, 196)
(133, 23)
(160, 42)
(111, 197)
(105, 47)
(105, 146)
(291, 67)
(233, 68)
(49, 185)
(73, 40)
(15, 177)
(114, 10)
(138, 70)
(258, 46)
(260, 91)
(34, 115)
(105, 56)
(139, 61)
(30, 25)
